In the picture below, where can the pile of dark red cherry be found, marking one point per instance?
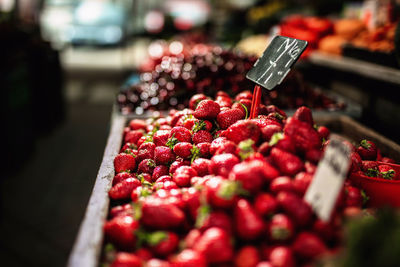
(172, 79)
(205, 186)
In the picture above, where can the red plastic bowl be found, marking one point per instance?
(381, 192)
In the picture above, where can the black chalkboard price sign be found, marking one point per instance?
(270, 69)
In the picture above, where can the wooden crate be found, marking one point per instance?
(88, 244)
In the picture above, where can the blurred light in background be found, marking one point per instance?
(6, 5)
(154, 21)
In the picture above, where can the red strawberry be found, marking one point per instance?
(367, 150)
(264, 149)
(157, 263)
(243, 130)
(189, 258)
(215, 245)
(301, 182)
(283, 142)
(183, 174)
(247, 256)
(202, 136)
(226, 147)
(387, 172)
(201, 166)
(177, 163)
(207, 110)
(275, 109)
(160, 138)
(304, 114)
(387, 160)
(326, 230)
(159, 171)
(263, 121)
(249, 224)
(191, 198)
(146, 151)
(264, 264)
(310, 168)
(167, 185)
(224, 101)
(280, 227)
(121, 210)
(137, 124)
(281, 184)
(146, 166)
(303, 134)
(163, 155)
(308, 246)
(124, 162)
(195, 100)
(244, 95)
(120, 177)
(204, 149)
(244, 105)
(323, 132)
(222, 164)
(128, 146)
(216, 144)
(124, 189)
(192, 237)
(354, 197)
(159, 214)
(228, 117)
(120, 231)
(220, 193)
(356, 162)
(144, 254)
(215, 219)
(287, 163)
(181, 134)
(124, 259)
(370, 167)
(183, 149)
(265, 204)
(295, 207)
(163, 243)
(133, 136)
(269, 130)
(314, 155)
(282, 256)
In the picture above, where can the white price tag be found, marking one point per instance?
(328, 179)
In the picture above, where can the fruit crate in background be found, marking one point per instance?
(87, 249)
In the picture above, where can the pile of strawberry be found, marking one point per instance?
(205, 186)
(368, 161)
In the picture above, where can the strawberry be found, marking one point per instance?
(182, 175)
(314, 155)
(356, 162)
(249, 224)
(146, 166)
(183, 150)
(265, 204)
(144, 254)
(224, 101)
(387, 172)
(354, 197)
(133, 136)
(247, 256)
(160, 138)
(201, 166)
(192, 237)
(124, 162)
(181, 134)
(120, 231)
(304, 114)
(282, 256)
(287, 163)
(387, 160)
(121, 210)
(226, 147)
(220, 193)
(120, 177)
(283, 142)
(323, 132)
(326, 230)
(264, 264)
(157, 263)
(264, 149)
(370, 168)
(244, 105)
(280, 228)
(163, 155)
(123, 259)
(303, 134)
(159, 214)
(177, 163)
(128, 146)
(222, 164)
(195, 100)
(202, 136)
(367, 150)
(137, 124)
(301, 182)
(310, 168)
(207, 110)
(191, 198)
(295, 207)
(146, 151)
(216, 144)
(244, 95)
(228, 117)
(275, 109)
(243, 130)
(204, 149)
(281, 184)
(162, 243)
(214, 219)
(269, 130)
(215, 245)
(159, 171)
(189, 258)
(263, 121)
(308, 246)
(123, 189)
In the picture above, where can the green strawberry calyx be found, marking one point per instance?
(198, 125)
(246, 148)
(388, 174)
(155, 238)
(275, 138)
(172, 141)
(364, 144)
(195, 153)
(371, 172)
(203, 213)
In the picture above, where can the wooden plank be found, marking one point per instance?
(357, 66)
(87, 248)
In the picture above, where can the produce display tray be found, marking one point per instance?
(88, 244)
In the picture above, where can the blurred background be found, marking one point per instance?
(66, 65)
